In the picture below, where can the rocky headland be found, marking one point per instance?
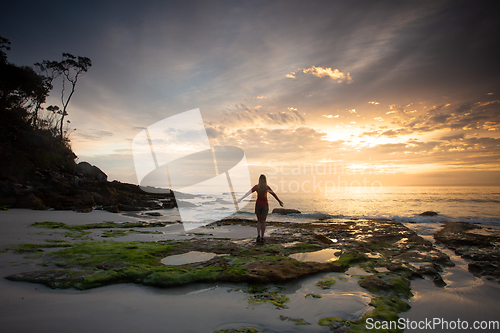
(83, 188)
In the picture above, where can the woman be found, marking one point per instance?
(261, 205)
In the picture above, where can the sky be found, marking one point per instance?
(353, 92)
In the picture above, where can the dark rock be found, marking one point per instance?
(84, 210)
(181, 195)
(438, 281)
(90, 172)
(280, 271)
(112, 209)
(285, 211)
(56, 278)
(456, 234)
(97, 198)
(8, 188)
(429, 213)
(481, 268)
(129, 208)
(374, 283)
(323, 238)
(186, 204)
(153, 214)
(475, 242)
(31, 201)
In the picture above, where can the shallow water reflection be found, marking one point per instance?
(188, 258)
(325, 255)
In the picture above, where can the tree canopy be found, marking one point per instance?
(25, 89)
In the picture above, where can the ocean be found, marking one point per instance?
(479, 204)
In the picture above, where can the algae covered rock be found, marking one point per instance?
(285, 211)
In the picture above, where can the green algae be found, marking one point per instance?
(386, 308)
(79, 231)
(401, 286)
(274, 298)
(91, 265)
(328, 321)
(102, 225)
(56, 241)
(51, 225)
(31, 248)
(239, 330)
(260, 294)
(88, 255)
(257, 288)
(296, 321)
(313, 296)
(121, 233)
(326, 283)
(350, 258)
(109, 262)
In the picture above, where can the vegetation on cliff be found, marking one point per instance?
(37, 164)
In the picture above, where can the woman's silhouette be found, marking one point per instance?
(261, 205)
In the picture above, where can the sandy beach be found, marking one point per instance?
(218, 305)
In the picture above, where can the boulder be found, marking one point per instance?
(285, 211)
(429, 213)
(90, 172)
(29, 200)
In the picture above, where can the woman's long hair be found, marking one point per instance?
(262, 186)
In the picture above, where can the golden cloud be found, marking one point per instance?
(334, 74)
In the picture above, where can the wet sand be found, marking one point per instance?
(203, 307)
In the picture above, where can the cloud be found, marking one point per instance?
(465, 116)
(246, 116)
(334, 74)
(452, 137)
(261, 143)
(94, 135)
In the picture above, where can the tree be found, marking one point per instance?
(4, 44)
(69, 69)
(20, 86)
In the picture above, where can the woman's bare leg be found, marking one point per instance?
(262, 222)
(259, 217)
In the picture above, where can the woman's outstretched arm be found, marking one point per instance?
(276, 197)
(247, 194)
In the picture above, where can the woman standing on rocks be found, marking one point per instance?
(261, 205)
